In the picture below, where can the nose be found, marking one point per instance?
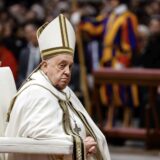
(67, 70)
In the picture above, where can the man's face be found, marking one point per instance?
(30, 34)
(154, 26)
(113, 4)
(58, 70)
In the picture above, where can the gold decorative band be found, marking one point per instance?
(78, 146)
(40, 29)
(63, 29)
(88, 128)
(57, 50)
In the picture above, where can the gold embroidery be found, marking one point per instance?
(64, 31)
(88, 129)
(39, 31)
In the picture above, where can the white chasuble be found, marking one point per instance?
(40, 112)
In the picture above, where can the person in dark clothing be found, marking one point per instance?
(29, 56)
(151, 60)
(151, 56)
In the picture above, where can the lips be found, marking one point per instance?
(64, 79)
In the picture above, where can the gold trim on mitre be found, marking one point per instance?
(63, 28)
(40, 29)
(56, 50)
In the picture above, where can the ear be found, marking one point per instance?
(44, 66)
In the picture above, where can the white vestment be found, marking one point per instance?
(37, 114)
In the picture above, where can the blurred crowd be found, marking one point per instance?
(19, 21)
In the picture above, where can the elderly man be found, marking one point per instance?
(46, 108)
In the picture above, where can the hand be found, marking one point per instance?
(90, 145)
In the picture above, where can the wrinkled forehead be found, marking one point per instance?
(68, 58)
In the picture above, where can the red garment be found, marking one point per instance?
(7, 59)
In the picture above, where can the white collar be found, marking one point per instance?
(120, 9)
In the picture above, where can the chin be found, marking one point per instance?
(61, 87)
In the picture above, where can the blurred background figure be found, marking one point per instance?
(142, 41)
(29, 56)
(151, 56)
(120, 45)
(117, 26)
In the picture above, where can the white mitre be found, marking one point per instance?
(56, 37)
